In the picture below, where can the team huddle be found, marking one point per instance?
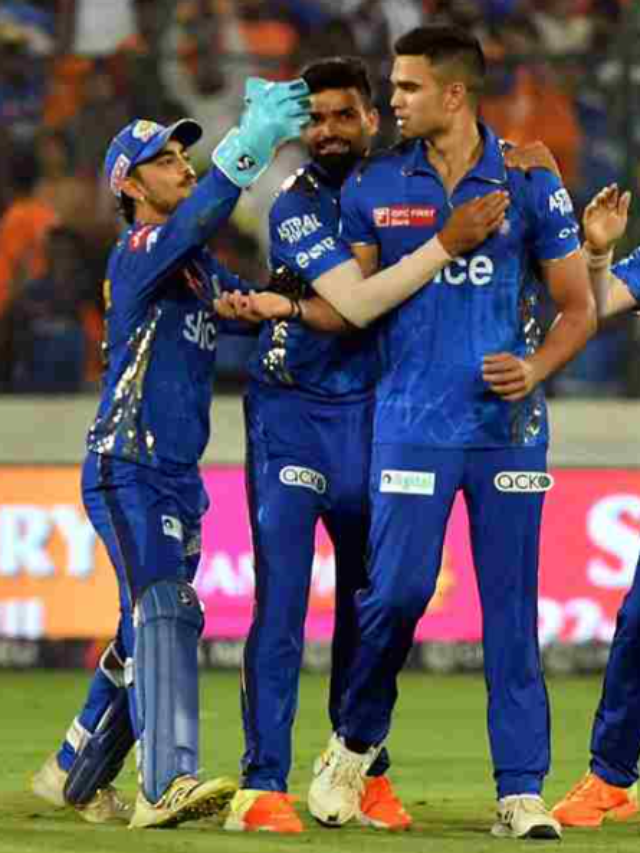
(398, 360)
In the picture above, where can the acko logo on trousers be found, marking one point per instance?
(294, 475)
(523, 481)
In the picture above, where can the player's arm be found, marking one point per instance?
(567, 279)
(361, 300)
(274, 113)
(553, 232)
(604, 222)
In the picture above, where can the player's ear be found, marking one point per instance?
(132, 187)
(456, 95)
(373, 121)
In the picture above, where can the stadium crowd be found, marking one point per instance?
(72, 72)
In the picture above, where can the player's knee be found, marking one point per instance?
(169, 601)
(408, 601)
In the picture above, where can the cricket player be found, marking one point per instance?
(309, 417)
(141, 485)
(609, 789)
(459, 406)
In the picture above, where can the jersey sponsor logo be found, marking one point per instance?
(294, 475)
(561, 200)
(477, 270)
(404, 216)
(144, 238)
(523, 481)
(144, 129)
(303, 259)
(295, 228)
(172, 527)
(408, 482)
(200, 329)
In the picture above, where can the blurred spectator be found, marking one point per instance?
(524, 99)
(564, 26)
(23, 229)
(50, 325)
(22, 86)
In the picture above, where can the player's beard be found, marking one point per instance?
(337, 166)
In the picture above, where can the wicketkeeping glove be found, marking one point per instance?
(274, 113)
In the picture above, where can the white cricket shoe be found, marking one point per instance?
(186, 798)
(338, 783)
(525, 816)
(105, 807)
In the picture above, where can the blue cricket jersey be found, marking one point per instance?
(160, 333)
(304, 224)
(431, 391)
(628, 270)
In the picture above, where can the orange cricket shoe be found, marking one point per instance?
(262, 811)
(592, 800)
(380, 807)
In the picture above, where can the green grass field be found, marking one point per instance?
(439, 747)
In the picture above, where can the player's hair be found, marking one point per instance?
(339, 72)
(127, 208)
(455, 53)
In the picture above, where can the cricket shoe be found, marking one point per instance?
(380, 807)
(525, 816)
(106, 806)
(338, 783)
(593, 800)
(262, 811)
(185, 799)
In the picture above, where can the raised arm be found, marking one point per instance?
(604, 222)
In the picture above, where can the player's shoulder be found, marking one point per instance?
(530, 182)
(381, 161)
(302, 182)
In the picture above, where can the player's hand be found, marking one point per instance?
(533, 155)
(605, 218)
(274, 113)
(508, 376)
(254, 307)
(471, 223)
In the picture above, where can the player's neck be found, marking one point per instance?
(456, 151)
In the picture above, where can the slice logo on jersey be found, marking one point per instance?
(408, 482)
(403, 216)
(294, 475)
(477, 270)
(200, 329)
(523, 481)
(172, 527)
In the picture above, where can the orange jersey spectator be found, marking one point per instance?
(23, 231)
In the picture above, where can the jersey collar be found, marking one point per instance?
(489, 168)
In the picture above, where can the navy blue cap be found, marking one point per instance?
(142, 140)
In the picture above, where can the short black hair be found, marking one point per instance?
(339, 72)
(447, 44)
(127, 208)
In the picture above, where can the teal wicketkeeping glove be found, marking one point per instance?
(274, 114)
